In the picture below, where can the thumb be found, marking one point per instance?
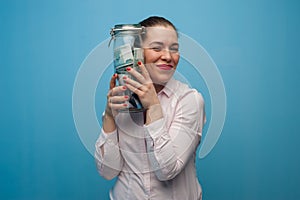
(112, 83)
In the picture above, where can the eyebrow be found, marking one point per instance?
(161, 43)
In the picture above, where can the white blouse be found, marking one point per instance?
(155, 161)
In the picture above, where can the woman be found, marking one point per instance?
(153, 153)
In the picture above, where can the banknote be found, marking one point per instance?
(123, 56)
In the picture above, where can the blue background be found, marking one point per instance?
(255, 45)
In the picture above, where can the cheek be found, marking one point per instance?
(176, 59)
(151, 69)
(147, 56)
(150, 57)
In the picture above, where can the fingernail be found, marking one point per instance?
(125, 104)
(124, 87)
(115, 75)
(126, 97)
(139, 62)
(124, 77)
(128, 68)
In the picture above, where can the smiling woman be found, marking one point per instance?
(152, 152)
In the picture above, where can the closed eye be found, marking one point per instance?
(174, 49)
(156, 48)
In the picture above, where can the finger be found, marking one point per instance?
(144, 71)
(134, 89)
(117, 91)
(118, 99)
(112, 83)
(136, 85)
(135, 74)
(118, 106)
(117, 102)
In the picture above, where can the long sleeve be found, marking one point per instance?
(107, 155)
(170, 147)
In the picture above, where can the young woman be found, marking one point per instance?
(153, 152)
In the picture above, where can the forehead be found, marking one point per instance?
(160, 34)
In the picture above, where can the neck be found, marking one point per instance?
(158, 87)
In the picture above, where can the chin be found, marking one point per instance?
(161, 77)
(161, 80)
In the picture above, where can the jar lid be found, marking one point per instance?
(134, 28)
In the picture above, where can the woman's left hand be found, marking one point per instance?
(143, 87)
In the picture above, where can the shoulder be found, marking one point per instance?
(184, 91)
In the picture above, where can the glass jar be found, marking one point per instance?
(127, 51)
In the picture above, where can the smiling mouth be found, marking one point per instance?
(165, 67)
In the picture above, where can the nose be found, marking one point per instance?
(166, 55)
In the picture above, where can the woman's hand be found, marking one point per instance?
(143, 87)
(115, 101)
(115, 98)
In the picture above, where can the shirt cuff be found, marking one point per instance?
(155, 128)
(111, 137)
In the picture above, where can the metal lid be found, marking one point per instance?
(133, 28)
(126, 28)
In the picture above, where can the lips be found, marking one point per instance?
(165, 67)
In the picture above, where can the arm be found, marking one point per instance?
(170, 148)
(107, 154)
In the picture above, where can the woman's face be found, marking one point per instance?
(161, 53)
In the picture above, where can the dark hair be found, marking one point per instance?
(157, 21)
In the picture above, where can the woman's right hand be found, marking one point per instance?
(116, 99)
